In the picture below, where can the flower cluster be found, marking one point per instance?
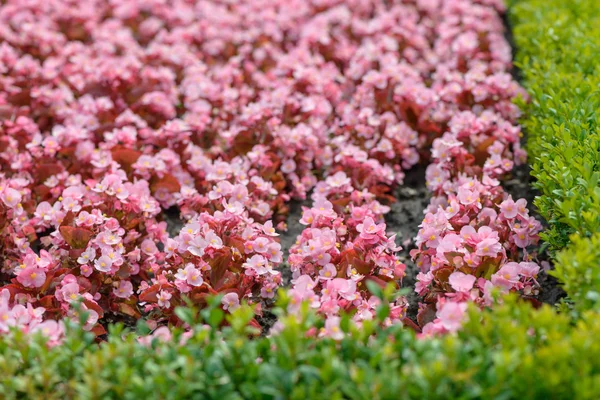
(225, 252)
(344, 246)
(474, 237)
(472, 246)
(28, 319)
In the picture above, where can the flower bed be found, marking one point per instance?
(118, 112)
(113, 113)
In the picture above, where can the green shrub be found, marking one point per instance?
(558, 52)
(512, 352)
(577, 268)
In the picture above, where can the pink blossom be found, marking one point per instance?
(509, 208)
(230, 302)
(461, 282)
(451, 315)
(32, 277)
(488, 248)
(163, 299)
(10, 197)
(103, 264)
(124, 290)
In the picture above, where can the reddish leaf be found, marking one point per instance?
(426, 315)
(13, 288)
(46, 170)
(93, 306)
(98, 330)
(125, 157)
(77, 238)
(149, 294)
(128, 310)
(219, 265)
(377, 280)
(409, 322)
(49, 303)
(168, 182)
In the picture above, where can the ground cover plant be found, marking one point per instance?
(118, 116)
(120, 112)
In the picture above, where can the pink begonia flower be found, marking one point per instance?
(521, 237)
(529, 269)
(213, 240)
(103, 264)
(87, 256)
(461, 282)
(509, 208)
(322, 207)
(339, 179)
(194, 276)
(44, 211)
(68, 292)
(260, 245)
(86, 270)
(10, 197)
(149, 247)
(332, 328)
(124, 290)
(163, 299)
(32, 277)
(488, 248)
(274, 252)
(233, 207)
(288, 166)
(268, 229)
(451, 315)
(52, 330)
(328, 272)
(230, 302)
(507, 276)
(369, 227)
(197, 246)
(521, 205)
(466, 196)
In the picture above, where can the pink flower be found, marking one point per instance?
(260, 245)
(509, 208)
(32, 277)
(488, 248)
(88, 255)
(68, 293)
(332, 328)
(507, 277)
(269, 230)
(213, 240)
(197, 246)
(163, 299)
(369, 228)
(10, 197)
(461, 282)
(230, 302)
(451, 315)
(124, 290)
(103, 264)
(328, 272)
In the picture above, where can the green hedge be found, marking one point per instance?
(558, 52)
(512, 352)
